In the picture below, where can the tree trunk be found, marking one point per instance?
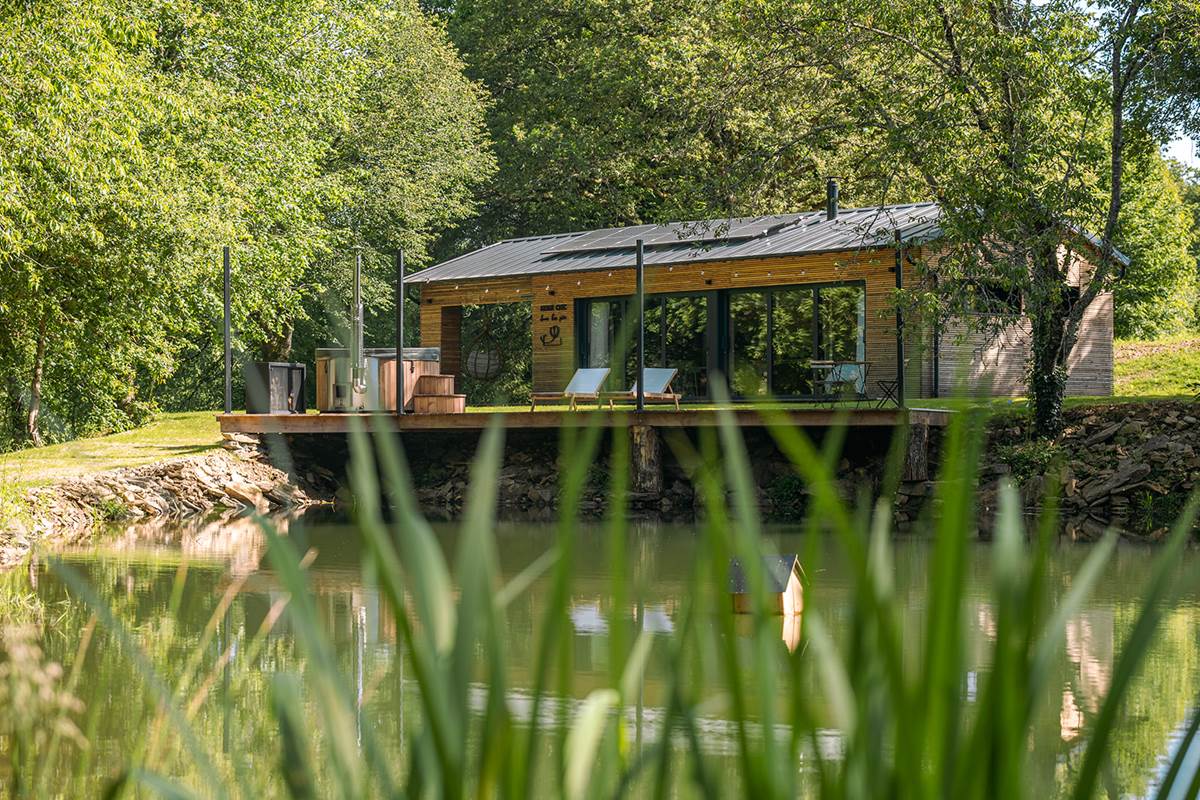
(278, 346)
(14, 403)
(1049, 316)
(35, 387)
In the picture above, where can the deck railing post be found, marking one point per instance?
(400, 331)
(641, 312)
(228, 336)
(899, 321)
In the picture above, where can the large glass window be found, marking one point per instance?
(685, 342)
(748, 363)
(842, 312)
(776, 334)
(676, 336)
(772, 336)
(792, 342)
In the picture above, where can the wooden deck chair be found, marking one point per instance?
(585, 385)
(658, 388)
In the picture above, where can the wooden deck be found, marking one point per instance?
(687, 418)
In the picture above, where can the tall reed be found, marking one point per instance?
(899, 723)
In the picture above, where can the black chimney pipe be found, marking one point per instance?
(831, 198)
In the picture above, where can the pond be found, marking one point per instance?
(167, 586)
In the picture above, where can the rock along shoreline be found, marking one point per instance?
(237, 478)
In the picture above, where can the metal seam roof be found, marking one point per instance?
(807, 233)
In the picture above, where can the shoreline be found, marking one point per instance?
(1128, 466)
(238, 478)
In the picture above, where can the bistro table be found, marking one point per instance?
(844, 378)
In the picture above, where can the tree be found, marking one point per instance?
(141, 135)
(622, 113)
(74, 285)
(1017, 119)
(1157, 295)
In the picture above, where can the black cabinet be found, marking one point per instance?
(275, 387)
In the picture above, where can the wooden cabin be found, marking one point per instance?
(756, 299)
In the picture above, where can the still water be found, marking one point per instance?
(169, 586)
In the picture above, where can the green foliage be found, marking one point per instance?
(146, 134)
(110, 510)
(609, 114)
(1158, 294)
(1028, 459)
(787, 496)
(1016, 118)
(1149, 511)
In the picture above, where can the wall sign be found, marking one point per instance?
(556, 315)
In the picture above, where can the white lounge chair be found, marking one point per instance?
(585, 385)
(658, 388)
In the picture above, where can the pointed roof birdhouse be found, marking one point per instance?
(782, 581)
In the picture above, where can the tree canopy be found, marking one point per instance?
(142, 135)
(146, 134)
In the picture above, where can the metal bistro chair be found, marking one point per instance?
(842, 380)
(889, 390)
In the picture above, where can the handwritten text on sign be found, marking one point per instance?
(556, 314)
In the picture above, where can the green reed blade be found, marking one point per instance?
(583, 740)
(160, 785)
(578, 454)
(162, 694)
(444, 725)
(521, 582)
(297, 754)
(424, 565)
(1182, 753)
(330, 689)
(1134, 649)
(478, 615)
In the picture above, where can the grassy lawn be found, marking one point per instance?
(1157, 368)
(169, 435)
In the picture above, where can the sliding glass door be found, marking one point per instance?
(792, 332)
(775, 335)
(766, 342)
(677, 336)
(749, 365)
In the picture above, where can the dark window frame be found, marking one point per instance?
(815, 288)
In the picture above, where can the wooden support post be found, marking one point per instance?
(899, 321)
(645, 449)
(916, 459)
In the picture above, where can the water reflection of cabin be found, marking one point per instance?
(758, 299)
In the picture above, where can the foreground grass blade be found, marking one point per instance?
(1134, 649)
(162, 694)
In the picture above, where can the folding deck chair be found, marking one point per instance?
(658, 388)
(585, 385)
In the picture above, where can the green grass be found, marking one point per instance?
(168, 436)
(1159, 368)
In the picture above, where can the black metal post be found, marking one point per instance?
(899, 321)
(641, 339)
(228, 337)
(400, 377)
(358, 366)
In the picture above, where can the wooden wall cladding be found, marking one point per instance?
(553, 297)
